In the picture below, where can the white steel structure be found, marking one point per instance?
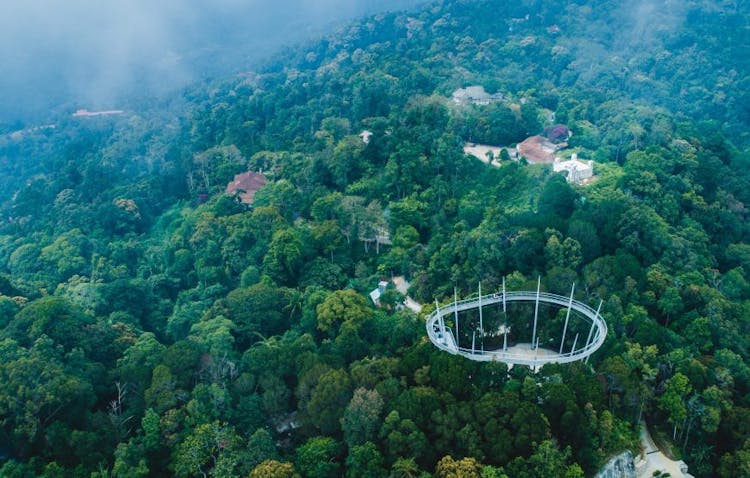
(521, 354)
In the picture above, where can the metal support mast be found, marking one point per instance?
(505, 321)
(536, 310)
(455, 315)
(440, 318)
(593, 325)
(567, 316)
(481, 324)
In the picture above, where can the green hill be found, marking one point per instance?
(153, 325)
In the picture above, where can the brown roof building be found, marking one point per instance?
(245, 185)
(538, 149)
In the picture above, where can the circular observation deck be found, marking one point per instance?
(529, 353)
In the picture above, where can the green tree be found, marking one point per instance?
(137, 362)
(274, 469)
(674, 400)
(644, 233)
(557, 198)
(548, 460)
(403, 438)
(130, 461)
(409, 211)
(404, 468)
(57, 318)
(361, 419)
(260, 448)
(37, 388)
(642, 363)
(529, 426)
(67, 254)
(370, 371)
(319, 457)
(162, 394)
(447, 467)
(213, 168)
(214, 336)
(328, 237)
(284, 257)
(151, 432)
(736, 463)
(345, 160)
(365, 461)
(328, 399)
(341, 306)
(670, 303)
(258, 309)
(211, 449)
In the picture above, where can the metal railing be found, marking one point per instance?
(443, 338)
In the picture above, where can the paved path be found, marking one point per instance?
(651, 459)
(480, 151)
(403, 287)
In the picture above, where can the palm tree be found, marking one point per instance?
(404, 468)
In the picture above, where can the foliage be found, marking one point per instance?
(151, 325)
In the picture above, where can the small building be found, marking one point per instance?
(539, 150)
(365, 135)
(475, 95)
(84, 112)
(558, 133)
(577, 171)
(376, 293)
(245, 185)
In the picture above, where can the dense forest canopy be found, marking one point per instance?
(153, 325)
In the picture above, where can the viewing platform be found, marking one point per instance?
(522, 353)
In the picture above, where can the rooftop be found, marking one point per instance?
(475, 94)
(365, 135)
(578, 171)
(245, 185)
(85, 112)
(538, 149)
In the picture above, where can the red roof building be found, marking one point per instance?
(538, 149)
(245, 185)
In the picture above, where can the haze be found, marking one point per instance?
(59, 55)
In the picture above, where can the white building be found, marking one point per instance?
(475, 95)
(376, 293)
(577, 171)
(365, 135)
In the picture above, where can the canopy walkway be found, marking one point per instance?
(529, 354)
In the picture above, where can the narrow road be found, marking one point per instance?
(652, 460)
(402, 286)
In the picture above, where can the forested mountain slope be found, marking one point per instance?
(153, 325)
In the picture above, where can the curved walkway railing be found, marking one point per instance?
(442, 337)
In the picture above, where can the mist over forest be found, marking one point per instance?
(105, 54)
(246, 258)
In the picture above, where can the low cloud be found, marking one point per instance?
(96, 53)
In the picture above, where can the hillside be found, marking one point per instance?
(153, 325)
